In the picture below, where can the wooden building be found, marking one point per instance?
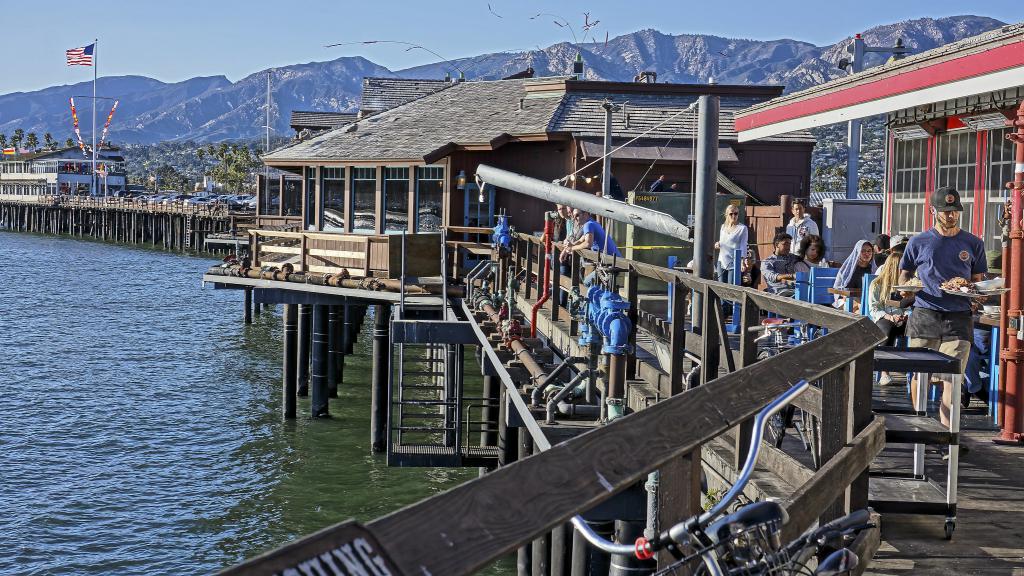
(410, 167)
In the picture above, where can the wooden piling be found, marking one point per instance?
(333, 351)
(248, 305)
(290, 365)
(379, 379)
(319, 355)
(305, 336)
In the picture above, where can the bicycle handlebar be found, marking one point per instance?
(645, 548)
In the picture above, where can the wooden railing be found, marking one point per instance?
(360, 254)
(462, 530)
(108, 203)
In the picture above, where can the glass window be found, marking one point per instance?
(364, 199)
(956, 168)
(908, 185)
(333, 194)
(291, 198)
(270, 197)
(429, 198)
(396, 199)
(1000, 171)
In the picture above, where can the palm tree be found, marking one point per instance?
(32, 141)
(48, 140)
(19, 136)
(3, 141)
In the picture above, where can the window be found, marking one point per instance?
(955, 167)
(333, 195)
(429, 198)
(396, 199)
(270, 198)
(1000, 171)
(364, 200)
(291, 198)
(908, 185)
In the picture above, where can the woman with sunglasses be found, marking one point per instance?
(731, 237)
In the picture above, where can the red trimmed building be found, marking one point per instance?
(946, 111)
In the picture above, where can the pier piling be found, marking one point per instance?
(379, 382)
(333, 351)
(302, 349)
(318, 374)
(248, 305)
(290, 364)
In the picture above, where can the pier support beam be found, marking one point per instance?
(334, 351)
(320, 360)
(379, 382)
(302, 349)
(248, 305)
(489, 434)
(289, 365)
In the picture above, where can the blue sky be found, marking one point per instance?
(175, 40)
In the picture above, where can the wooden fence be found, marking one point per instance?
(360, 255)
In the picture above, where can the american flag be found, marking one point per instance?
(80, 56)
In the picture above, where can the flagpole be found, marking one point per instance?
(95, 69)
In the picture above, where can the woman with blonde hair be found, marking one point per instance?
(731, 237)
(892, 320)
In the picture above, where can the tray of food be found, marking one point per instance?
(963, 287)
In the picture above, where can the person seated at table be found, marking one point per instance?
(861, 261)
(812, 254)
(779, 268)
(890, 318)
(750, 270)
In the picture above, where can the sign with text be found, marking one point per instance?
(347, 549)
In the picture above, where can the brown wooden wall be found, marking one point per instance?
(770, 169)
(543, 160)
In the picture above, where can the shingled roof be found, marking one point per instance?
(490, 113)
(467, 113)
(319, 120)
(380, 94)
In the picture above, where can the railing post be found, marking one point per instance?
(556, 282)
(632, 296)
(709, 339)
(835, 426)
(302, 252)
(861, 416)
(750, 316)
(574, 282)
(528, 270)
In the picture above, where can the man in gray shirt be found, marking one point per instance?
(779, 268)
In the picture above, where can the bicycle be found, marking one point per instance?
(748, 541)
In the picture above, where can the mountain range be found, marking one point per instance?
(209, 109)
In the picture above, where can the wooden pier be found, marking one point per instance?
(171, 226)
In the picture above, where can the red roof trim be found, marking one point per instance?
(977, 64)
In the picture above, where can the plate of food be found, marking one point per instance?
(963, 287)
(914, 285)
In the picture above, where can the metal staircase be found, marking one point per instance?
(429, 417)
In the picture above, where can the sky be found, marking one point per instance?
(177, 40)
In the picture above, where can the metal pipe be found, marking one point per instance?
(553, 402)
(616, 386)
(549, 228)
(619, 211)
(1012, 427)
(518, 348)
(706, 186)
(536, 395)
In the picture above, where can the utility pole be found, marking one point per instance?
(606, 170)
(857, 49)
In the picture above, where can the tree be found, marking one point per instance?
(3, 141)
(32, 141)
(49, 142)
(169, 177)
(19, 136)
(69, 143)
(235, 165)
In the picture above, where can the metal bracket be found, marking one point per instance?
(1017, 356)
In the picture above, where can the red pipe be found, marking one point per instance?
(1013, 354)
(549, 228)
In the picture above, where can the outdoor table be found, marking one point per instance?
(850, 294)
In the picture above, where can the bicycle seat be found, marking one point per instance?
(769, 322)
(751, 515)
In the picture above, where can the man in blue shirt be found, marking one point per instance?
(942, 321)
(591, 236)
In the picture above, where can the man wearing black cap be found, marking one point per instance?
(942, 321)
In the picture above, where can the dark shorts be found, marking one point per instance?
(931, 324)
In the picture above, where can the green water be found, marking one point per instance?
(140, 421)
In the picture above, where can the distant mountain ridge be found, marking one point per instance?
(210, 109)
